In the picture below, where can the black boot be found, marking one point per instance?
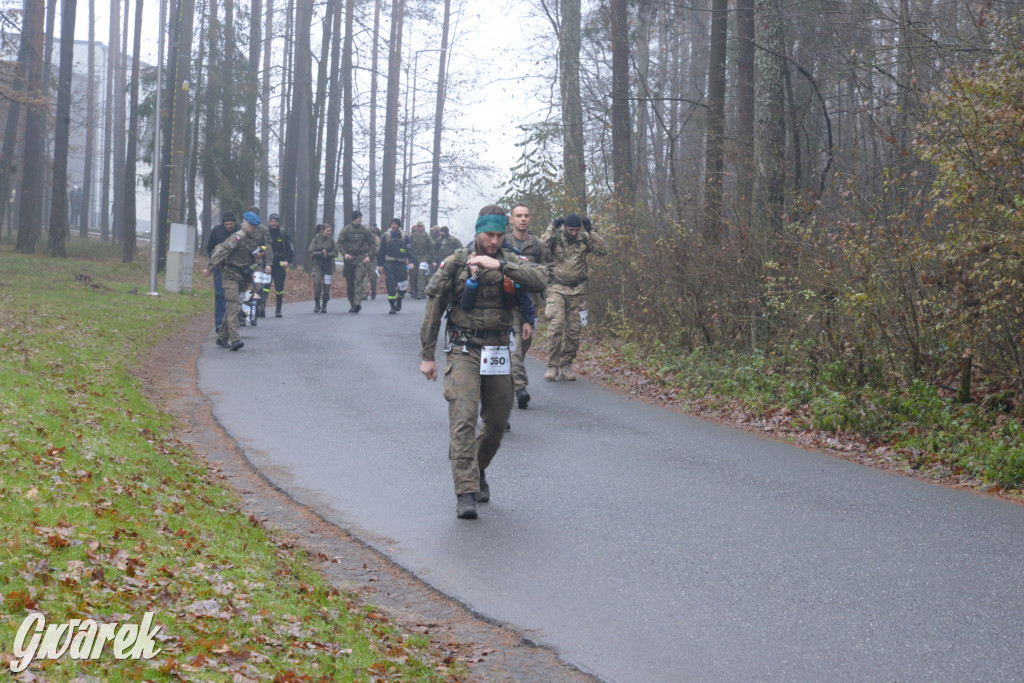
(523, 398)
(485, 489)
(323, 306)
(392, 311)
(316, 305)
(465, 506)
(398, 303)
(277, 307)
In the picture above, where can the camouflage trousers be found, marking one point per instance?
(234, 285)
(468, 393)
(356, 285)
(371, 275)
(319, 288)
(564, 326)
(519, 378)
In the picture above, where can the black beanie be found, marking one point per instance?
(273, 216)
(357, 214)
(395, 221)
(227, 216)
(573, 220)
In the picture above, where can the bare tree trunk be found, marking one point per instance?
(333, 117)
(85, 216)
(296, 186)
(250, 155)
(442, 85)
(745, 108)
(30, 215)
(572, 107)
(320, 106)
(643, 60)
(390, 165)
(769, 116)
(287, 77)
(713, 224)
(128, 254)
(180, 100)
(265, 112)
(346, 131)
(373, 114)
(212, 125)
(622, 147)
(108, 118)
(193, 162)
(120, 137)
(59, 213)
(8, 165)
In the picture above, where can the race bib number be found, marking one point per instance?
(261, 278)
(494, 360)
(424, 266)
(327, 279)
(403, 286)
(583, 317)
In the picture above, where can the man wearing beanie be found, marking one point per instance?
(284, 254)
(477, 287)
(394, 256)
(355, 244)
(569, 240)
(218, 235)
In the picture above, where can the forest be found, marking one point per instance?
(820, 201)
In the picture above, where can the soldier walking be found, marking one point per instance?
(323, 250)
(355, 244)
(236, 256)
(423, 248)
(371, 267)
(478, 290)
(533, 249)
(569, 240)
(284, 253)
(218, 235)
(394, 257)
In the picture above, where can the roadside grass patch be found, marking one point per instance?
(105, 515)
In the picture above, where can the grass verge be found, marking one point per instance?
(106, 516)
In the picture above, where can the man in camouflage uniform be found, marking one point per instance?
(569, 240)
(355, 244)
(323, 250)
(236, 256)
(477, 288)
(371, 267)
(530, 247)
(423, 248)
(445, 245)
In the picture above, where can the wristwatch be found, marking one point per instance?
(501, 265)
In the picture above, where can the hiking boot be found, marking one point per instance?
(323, 307)
(237, 344)
(552, 374)
(485, 490)
(277, 307)
(465, 506)
(398, 304)
(567, 374)
(522, 398)
(358, 308)
(392, 311)
(316, 307)
(223, 343)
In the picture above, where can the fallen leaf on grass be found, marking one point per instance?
(32, 494)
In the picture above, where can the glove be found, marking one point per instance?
(558, 222)
(587, 225)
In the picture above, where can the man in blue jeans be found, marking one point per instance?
(218, 235)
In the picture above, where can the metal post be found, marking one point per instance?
(154, 227)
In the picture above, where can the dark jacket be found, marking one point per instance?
(284, 248)
(394, 248)
(217, 235)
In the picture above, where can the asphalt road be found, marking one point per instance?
(641, 544)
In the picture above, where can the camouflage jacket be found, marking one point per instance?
(356, 241)
(263, 234)
(235, 254)
(446, 246)
(491, 316)
(568, 267)
(325, 264)
(422, 247)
